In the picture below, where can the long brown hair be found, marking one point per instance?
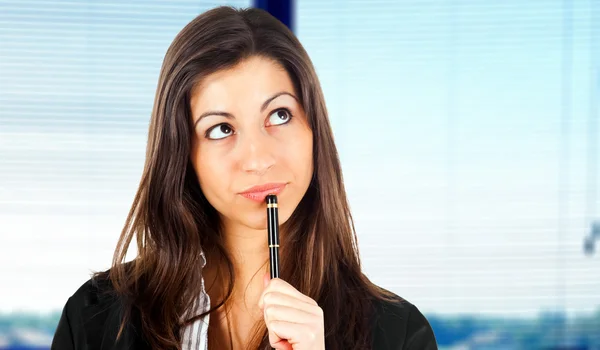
(173, 222)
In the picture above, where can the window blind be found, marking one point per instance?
(77, 83)
(468, 132)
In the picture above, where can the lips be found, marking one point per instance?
(260, 192)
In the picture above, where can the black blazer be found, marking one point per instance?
(90, 321)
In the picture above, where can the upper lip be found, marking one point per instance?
(264, 187)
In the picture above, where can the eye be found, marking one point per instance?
(280, 116)
(219, 131)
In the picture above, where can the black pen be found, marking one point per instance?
(273, 231)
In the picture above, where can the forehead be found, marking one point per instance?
(249, 82)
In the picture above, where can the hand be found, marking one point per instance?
(294, 321)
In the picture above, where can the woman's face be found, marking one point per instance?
(251, 138)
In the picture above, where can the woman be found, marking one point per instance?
(238, 114)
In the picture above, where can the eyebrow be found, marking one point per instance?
(230, 116)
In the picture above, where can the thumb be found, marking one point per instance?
(280, 344)
(266, 280)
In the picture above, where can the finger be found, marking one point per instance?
(279, 285)
(281, 299)
(290, 314)
(295, 333)
(278, 343)
(275, 341)
(266, 280)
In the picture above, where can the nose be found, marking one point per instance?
(257, 153)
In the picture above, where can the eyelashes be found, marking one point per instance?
(221, 131)
(282, 116)
(213, 133)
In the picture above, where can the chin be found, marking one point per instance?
(258, 221)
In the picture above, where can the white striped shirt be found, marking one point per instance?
(195, 335)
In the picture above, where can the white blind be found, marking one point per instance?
(469, 137)
(77, 82)
(467, 131)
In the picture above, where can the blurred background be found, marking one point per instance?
(475, 122)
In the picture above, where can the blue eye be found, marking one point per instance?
(280, 116)
(220, 131)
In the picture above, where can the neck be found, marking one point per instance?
(247, 248)
(248, 251)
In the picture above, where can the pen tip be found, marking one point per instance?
(271, 199)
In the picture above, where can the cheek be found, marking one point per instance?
(307, 147)
(298, 158)
(212, 173)
(300, 155)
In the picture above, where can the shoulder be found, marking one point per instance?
(96, 290)
(398, 324)
(85, 314)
